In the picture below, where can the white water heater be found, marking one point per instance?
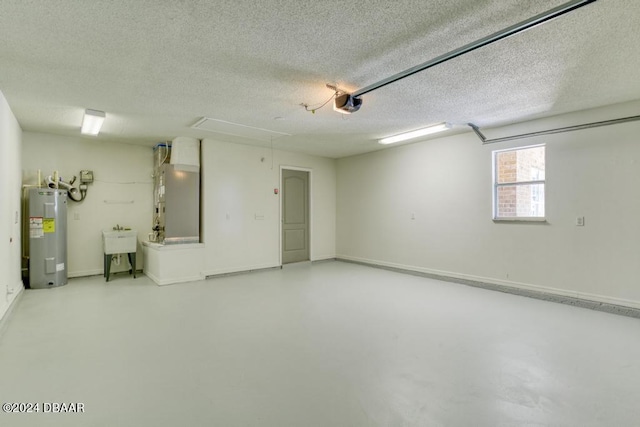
(46, 225)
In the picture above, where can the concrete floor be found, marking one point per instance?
(330, 344)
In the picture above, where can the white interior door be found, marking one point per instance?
(295, 216)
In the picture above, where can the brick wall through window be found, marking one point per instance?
(524, 165)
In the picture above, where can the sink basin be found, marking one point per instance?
(119, 241)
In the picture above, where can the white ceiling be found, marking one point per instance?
(157, 67)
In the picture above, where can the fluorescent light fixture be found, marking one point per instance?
(92, 122)
(416, 133)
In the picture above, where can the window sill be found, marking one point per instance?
(521, 220)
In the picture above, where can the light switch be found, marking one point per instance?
(580, 221)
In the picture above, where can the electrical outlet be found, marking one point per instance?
(580, 221)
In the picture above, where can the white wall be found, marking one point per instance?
(234, 180)
(122, 174)
(238, 183)
(447, 183)
(10, 249)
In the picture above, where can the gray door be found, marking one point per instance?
(295, 216)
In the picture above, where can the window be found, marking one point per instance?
(518, 183)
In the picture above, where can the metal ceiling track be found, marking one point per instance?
(551, 131)
(502, 34)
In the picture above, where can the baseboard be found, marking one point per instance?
(324, 258)
(85, 273)
(240, 272)
(173, 281)
(6, 316)
(96, 272)
(153, 278)
(320, 260)
(255, 269)
(235, 270)
(579, 299)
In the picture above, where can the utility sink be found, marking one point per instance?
(119, 241)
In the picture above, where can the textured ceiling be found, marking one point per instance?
(157, 67)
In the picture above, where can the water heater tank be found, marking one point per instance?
(47, 227)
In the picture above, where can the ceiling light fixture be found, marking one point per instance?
(416, 133)
(92, 122)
